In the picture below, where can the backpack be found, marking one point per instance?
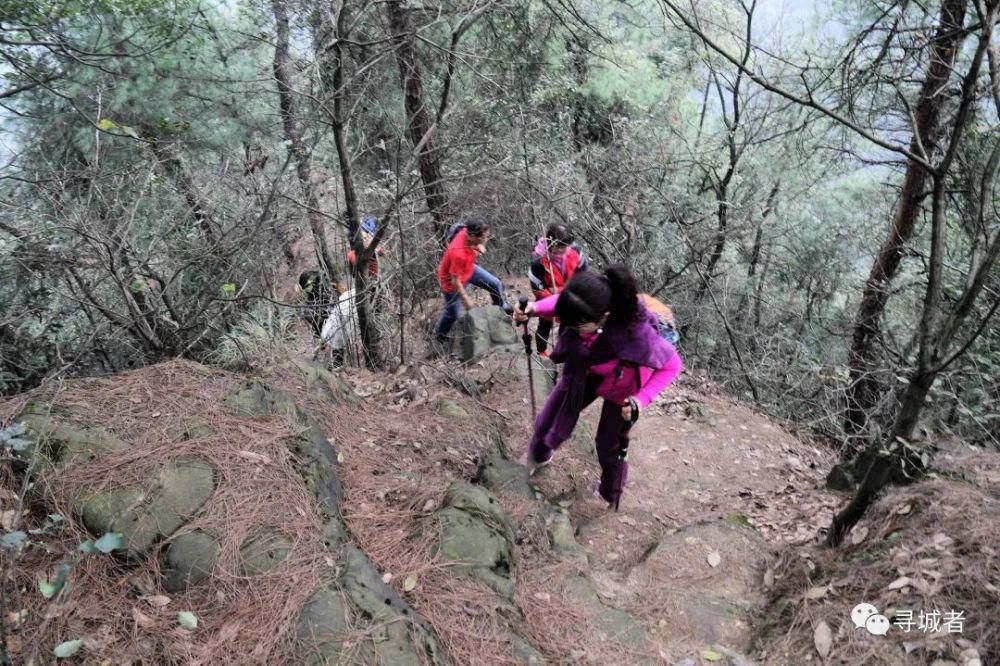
(665, 315)
(453, 231)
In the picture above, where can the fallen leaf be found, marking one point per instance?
(859, 535)
(905, 509)
(910, 646)
(817, 592)
(109, 542)
(387, 578)
(188, 620)
(7, 519)
(67, 648)
(710, 655)
(47, 589)
(823, 639)
(714, 559)
(428, 506)
(542, 596)
(254, 457)
(899, 583)
(410, 583)
(156, 600)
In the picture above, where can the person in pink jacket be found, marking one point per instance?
(612, 349)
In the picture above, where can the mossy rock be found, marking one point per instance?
(485, 328)
(562, 536)
(499, 474)
(61, 444)
(257, 400)
(543, 374)
(195, 430)
(454, 410)
(189, 559)
(398, 635)
(476, 532)
(322, 627)
(524, 652)
(263, 551)
(153, 511)
(315, 460)
(612, 623)
(325, 383)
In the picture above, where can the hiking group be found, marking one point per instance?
(612, 342)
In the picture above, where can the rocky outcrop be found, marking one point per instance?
(477, 533)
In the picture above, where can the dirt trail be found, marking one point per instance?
(708, 476)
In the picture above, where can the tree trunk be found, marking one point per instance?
(863, 389)
(293, 134)
(933, 340)
(418, 121)
(329, 47)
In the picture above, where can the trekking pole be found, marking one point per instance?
(522, 302)
(623, 441)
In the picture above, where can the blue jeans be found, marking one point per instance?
(481, 278)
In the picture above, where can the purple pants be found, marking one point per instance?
(555, 424)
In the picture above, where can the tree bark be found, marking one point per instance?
(418, 121)
(933, 340)
(863, 390)
(329, 47)
(293, 134)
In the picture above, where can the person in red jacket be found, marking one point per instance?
(555, 260)
(457, 269)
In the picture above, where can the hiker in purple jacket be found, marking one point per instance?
(611, 348)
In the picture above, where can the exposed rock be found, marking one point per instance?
(452, 409)
(326, 384)
(476, 532)
(611, 623)
(315, 455)
(263, 551)
(840, 478)
(562, 536)
(256, 399)
(398, 635)
(524, 652)
(712, 604)
(322, 627)
(153, 511)
(499, 474)
(63, 444)
(189, 560)
(483, 329)
(543, 375)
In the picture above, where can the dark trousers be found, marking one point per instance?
(555, 424)
(481, 278)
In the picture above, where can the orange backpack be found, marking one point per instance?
(663, 312)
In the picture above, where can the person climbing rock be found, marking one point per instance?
(611, 348)
(318, 297)
(554, 261)
(458, 269)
